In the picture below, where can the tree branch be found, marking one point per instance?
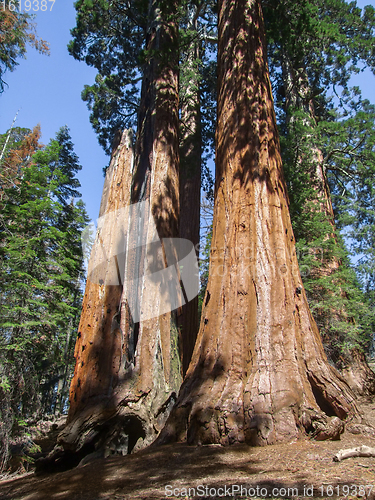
(360, 451)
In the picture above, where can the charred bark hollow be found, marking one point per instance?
(128, 368)
(259, 373)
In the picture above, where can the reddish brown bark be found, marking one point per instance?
(151, 346)
(128, 367)
(258, 373)
(98, 346)
(358, 374)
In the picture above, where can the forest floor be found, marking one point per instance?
(304, 467)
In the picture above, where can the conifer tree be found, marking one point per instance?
(128, 368)
(114, 98)
(110, 36)
(16, 149)
(190, 164)
(41, 265)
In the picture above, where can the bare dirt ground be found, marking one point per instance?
(169, 471)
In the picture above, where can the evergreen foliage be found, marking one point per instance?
(16, 148)
(111, 37)
(41, 276)
(352, 178)
(330, 40)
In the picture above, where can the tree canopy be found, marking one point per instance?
(16, 32)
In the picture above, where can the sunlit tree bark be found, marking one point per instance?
(98, 339)
(258, 373)
(151, 366)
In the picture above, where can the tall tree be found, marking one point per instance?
(311, 65)
(17, 147)
(258, 373)
(110, 36)
(190, 166)
(41, 261)
(122, 395)
(99, 343)
(352, 177)
(113, 100)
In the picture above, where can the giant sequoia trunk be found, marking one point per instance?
(258, 373)
(128, 369)
(298, 99)
(99, 340)
(151, 366)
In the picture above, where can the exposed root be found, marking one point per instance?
(331, 429)
(320, 426)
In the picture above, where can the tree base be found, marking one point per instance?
(208, 412)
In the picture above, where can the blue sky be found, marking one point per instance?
(47, 90)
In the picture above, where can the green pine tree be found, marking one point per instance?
(41, 276)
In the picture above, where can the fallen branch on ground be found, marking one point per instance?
(360, 451)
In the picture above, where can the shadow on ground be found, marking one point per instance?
(147, 474)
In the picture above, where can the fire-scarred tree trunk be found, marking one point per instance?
(98, 346)
(300, 111)
(258, 373)
(128, 369)
(98, 340)
(190, 174)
